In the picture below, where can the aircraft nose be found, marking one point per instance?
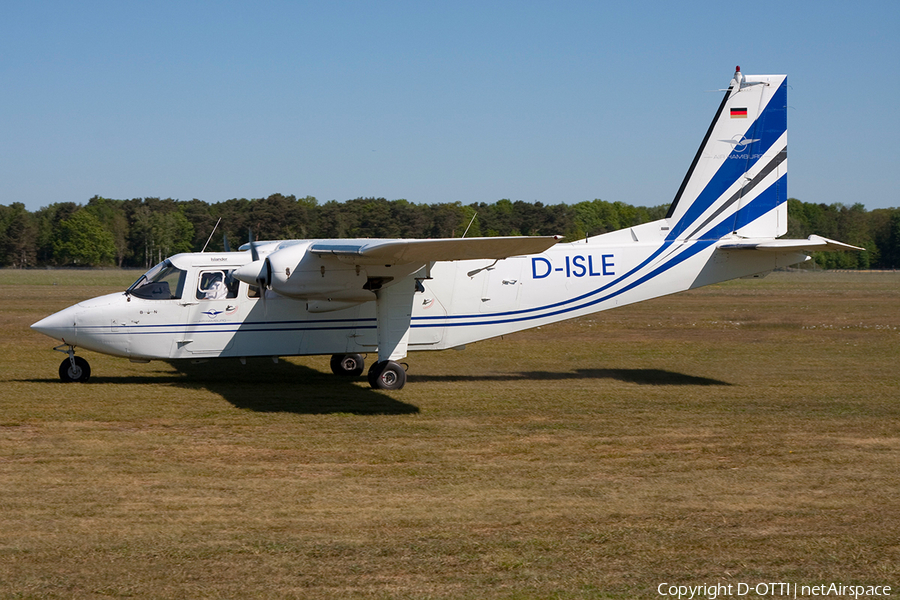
(59, 326)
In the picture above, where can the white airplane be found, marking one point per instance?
(350, 297)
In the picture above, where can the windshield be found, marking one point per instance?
(165, 281)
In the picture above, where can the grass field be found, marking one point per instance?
(746, 432)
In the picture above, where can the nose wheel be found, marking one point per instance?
(74, 370)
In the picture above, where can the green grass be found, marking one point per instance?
(115, 278)
(744, 432)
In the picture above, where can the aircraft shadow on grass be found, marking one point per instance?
(264, 386)
(639, 376)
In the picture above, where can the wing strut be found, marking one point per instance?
(393, 307)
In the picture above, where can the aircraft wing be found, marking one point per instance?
(815, 243)
(423, 251)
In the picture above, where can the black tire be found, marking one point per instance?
(80, 373)
(348, 365)
(387, 375)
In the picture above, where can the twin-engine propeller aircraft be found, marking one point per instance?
(350, 297)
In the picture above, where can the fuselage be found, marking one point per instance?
(194, 308)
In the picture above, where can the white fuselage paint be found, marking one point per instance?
(463, 301)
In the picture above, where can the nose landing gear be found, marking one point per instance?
(73, 369)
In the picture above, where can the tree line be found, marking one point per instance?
(142, 231)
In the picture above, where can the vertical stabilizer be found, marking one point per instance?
(738, 180)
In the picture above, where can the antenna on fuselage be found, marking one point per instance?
(211, 234)
(470, 224)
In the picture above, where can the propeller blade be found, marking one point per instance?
(262, 295)
(257, 273)
(225, 242)
(263, 281)
(253, 251)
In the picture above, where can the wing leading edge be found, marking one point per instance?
(423, 251)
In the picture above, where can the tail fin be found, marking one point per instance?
(738, 180)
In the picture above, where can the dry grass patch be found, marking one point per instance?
(743, 432)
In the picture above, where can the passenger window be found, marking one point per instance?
(217, 285)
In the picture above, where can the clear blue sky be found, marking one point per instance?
(431, 101)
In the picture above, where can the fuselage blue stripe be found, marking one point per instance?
(599, 290)
(181, 328)
(691, 250)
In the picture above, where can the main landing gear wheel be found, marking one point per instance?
(387, 375)
(76, 370)
(347, 365)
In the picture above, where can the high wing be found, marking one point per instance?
(400, 251)
(305, 269)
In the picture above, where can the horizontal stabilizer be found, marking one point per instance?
(423, 251)
(815, 243)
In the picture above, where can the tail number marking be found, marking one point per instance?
(575, 266)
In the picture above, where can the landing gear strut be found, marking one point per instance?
(73, 369)
(387, 375)
(347, 365)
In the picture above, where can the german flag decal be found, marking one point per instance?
(738, 113)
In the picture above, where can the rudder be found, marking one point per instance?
(737, 182)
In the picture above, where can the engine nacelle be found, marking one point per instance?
(293, 272)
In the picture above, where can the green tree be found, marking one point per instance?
(886, 232)
(47, 221)
(18, 243)
(202, 220)
(157, 229)
(172, 232)
(449, 220)
(83, 241)
(111, 214)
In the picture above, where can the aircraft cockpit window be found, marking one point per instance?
(217, 285)
(165, 281)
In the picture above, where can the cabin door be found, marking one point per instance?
(213, 316)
